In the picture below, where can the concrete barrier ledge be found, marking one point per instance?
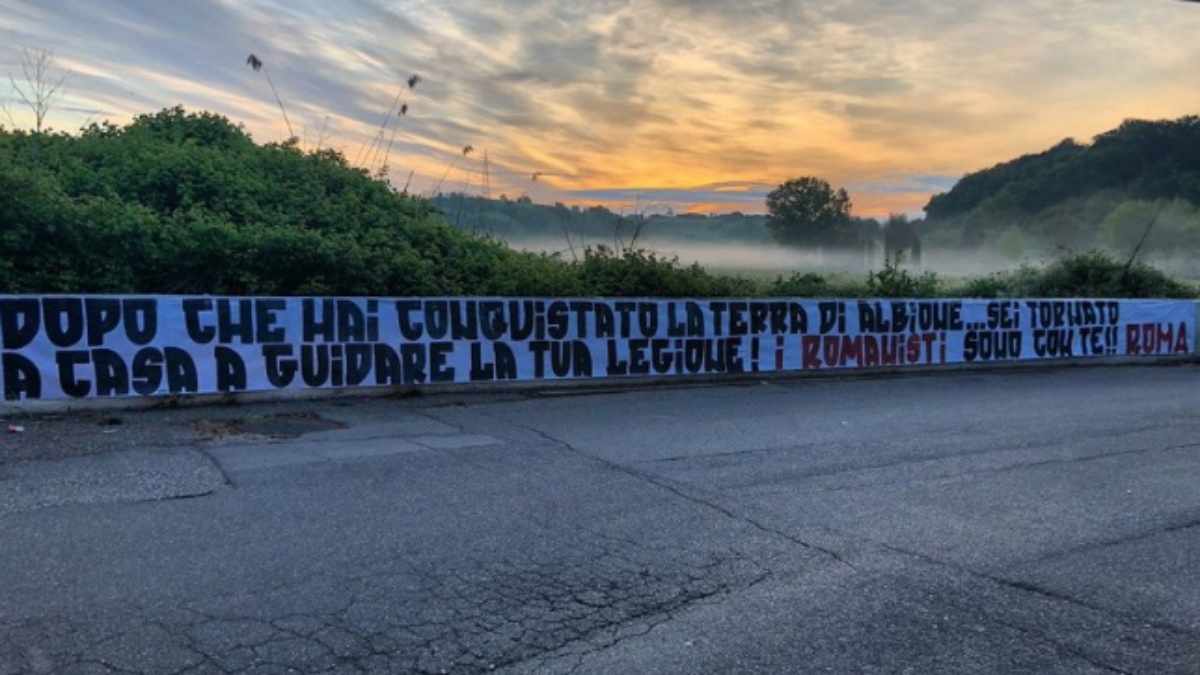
(577, 386)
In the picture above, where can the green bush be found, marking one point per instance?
(639, 273)
(1098, 275)
(188, 203)
(1093, 274)
(990, 286)
(802, 285)
(893, 281)
(179, 202)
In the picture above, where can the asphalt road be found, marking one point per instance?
(1037, 521)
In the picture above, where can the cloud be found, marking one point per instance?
(673, 195)
(672, 99)
(904, 184)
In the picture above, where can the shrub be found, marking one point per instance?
(1093, 274)
(1096, 274)
(802, 285)
(893, 281)
(181, 202)
(990, 286)
(640, 273)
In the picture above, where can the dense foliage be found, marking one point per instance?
(1100, 195)
(809, 212)
(1092, 274)
(179, 202)
(1085, 275)
(188, 203)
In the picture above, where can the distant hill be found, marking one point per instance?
(520, 220)
(1078, 195)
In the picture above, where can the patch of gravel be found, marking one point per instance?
(49, 437)
(278, 425)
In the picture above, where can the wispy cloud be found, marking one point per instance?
(671, 101)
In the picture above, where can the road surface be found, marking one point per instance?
(1040, 521)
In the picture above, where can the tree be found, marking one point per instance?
(867, 233)
(808, 212)
(43, 83)
(900, 237)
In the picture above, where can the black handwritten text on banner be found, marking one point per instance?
(56, 347)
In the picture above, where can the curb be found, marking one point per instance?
(584, 387)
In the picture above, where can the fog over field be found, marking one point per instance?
(759, 259)
(771, 260)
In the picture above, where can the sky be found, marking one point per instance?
(642, 105)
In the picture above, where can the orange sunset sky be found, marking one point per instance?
(687, 104)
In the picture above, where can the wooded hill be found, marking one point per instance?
(1077, 196)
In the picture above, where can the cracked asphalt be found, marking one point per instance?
(1043, 521)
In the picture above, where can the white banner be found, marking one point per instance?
(57, 347)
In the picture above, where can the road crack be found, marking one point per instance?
(695, 499)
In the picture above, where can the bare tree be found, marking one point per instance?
(638, 219)
(43, 81)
